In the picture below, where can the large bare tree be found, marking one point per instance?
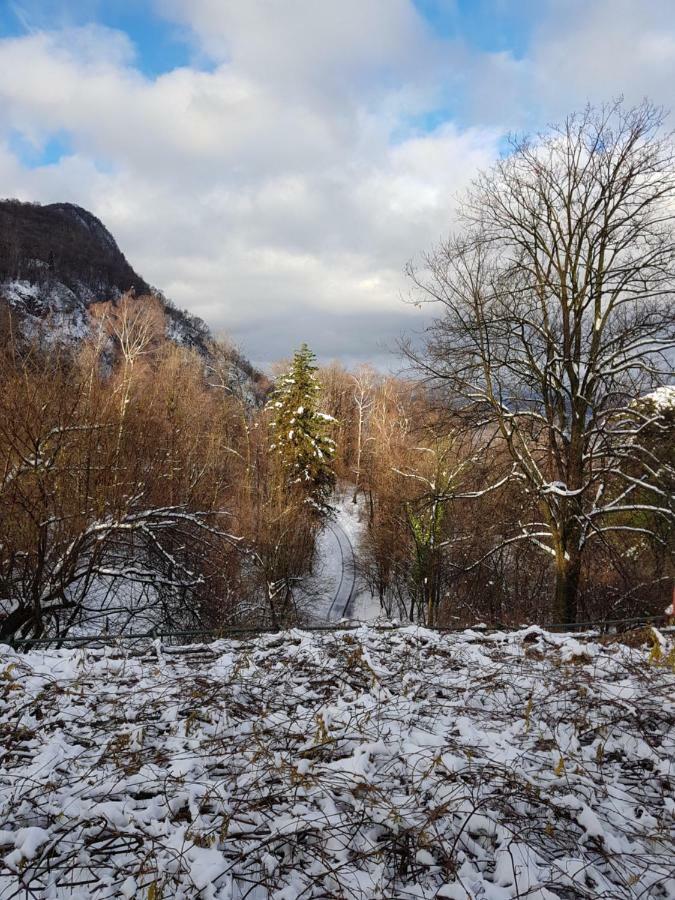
(557, 295)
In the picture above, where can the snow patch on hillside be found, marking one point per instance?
(50, 311)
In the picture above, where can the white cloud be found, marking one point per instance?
(245, 192)
(279, 191)
(601, 49)
(580, 51)
(313, 49)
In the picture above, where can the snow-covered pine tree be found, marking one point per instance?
(300, 430)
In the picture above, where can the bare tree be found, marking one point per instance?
(79, 542)
(363, 398)
(557, 314)
(134, 325)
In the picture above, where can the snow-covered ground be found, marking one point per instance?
(337, 591)
(365, 764)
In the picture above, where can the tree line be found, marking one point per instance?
(141, 485)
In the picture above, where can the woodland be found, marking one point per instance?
(518, 469)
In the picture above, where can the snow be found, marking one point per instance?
(18, 291)
(363, 764)
(335, 589)
(663, 398)
(27, 842)
(52, 311)
(364, 607)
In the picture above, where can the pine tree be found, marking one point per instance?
(300, 431)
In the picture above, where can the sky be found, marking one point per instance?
(272, 165)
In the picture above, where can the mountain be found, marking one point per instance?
(58, 260)
(66, 244)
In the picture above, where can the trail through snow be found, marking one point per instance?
(335, 587)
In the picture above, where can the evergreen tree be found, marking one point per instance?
(301, 432)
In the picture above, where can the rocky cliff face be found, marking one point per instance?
(57, 260)
(62, 243)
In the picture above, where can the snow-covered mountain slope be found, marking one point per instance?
(59, 260)
(363, 764)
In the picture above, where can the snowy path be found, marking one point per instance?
(335, 589)
(346, 586)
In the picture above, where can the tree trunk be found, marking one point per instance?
(567, 574)
(11, 624)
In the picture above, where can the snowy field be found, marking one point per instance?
(362, 764)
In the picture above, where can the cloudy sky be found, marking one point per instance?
(272, 164)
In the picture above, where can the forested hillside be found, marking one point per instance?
(64, 242)
(58, 262)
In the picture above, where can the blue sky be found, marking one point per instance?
(489, 25)
(273, 164)
(160, 44)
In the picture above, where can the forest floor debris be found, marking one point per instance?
(363, 764)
